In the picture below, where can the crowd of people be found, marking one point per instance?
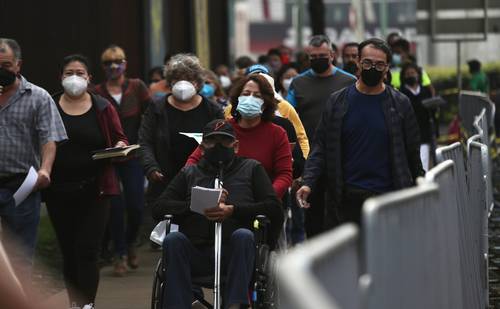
(306, 137)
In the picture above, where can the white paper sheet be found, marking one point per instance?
(27, 186)
(204, 198)
(158, 234)
(197, 136)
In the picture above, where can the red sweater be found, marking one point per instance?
(268, 144)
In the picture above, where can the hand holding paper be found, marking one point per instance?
(204, 198)
(43, 180)
(219, 213)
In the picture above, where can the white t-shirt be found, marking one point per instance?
(117, 97)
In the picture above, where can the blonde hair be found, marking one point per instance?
(113, 52)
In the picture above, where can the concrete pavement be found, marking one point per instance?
(132, 291)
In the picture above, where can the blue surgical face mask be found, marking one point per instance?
(208, 91)
(396, 59)
(249, 106)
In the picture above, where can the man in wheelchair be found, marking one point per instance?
(248, 192)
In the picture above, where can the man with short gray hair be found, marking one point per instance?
(30, 126)
(309, 93)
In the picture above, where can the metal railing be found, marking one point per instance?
(401, 249)
(448, 217)
(470, 104)
(478, 161)
(422, 247)
(322, 274)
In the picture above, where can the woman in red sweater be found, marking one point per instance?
(253, 106)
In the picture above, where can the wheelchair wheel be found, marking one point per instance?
(265, 293)
(272, 290)
(157, 294)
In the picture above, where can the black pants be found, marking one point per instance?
(315, 215)
(352, 204)
(79, 221)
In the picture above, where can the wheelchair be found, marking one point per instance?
(263, 289)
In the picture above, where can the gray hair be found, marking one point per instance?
(320, 39)
(13, 45)
(184, 67)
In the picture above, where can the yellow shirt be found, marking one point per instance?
(287, 111)
(396, 80)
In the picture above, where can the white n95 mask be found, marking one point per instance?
(75, 85)
(183, 90)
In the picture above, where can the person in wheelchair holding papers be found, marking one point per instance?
(248, 192)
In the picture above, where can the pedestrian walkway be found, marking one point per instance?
(132, 291)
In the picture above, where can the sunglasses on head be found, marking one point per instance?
(110, 62)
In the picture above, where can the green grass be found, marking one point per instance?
(47, 253)
(438, 73)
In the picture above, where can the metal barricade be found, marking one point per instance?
(478, 170)
(322, 273)
(448, 212)
(469, 220)
(481, 127)
(401, 244)
(470, 105)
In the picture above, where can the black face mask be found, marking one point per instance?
(320, 65)
(371, 77)
(411, 81)
(219, 154)
(351, 67)
(7, 77)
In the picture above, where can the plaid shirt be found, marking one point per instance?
(28, 121)
(404, 136)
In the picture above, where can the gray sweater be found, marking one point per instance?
(309, 94)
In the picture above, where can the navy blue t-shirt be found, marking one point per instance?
(365, 143)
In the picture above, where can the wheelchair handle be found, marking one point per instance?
(261, 220)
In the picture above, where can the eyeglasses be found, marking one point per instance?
(368, 64)
(116, 61)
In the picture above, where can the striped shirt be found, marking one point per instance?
(28, 121)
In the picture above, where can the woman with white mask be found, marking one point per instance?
(78, 198)
(284, 79)
(168, 124)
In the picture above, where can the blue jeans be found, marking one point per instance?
(184, 261)
(131, 176)
(21, 225)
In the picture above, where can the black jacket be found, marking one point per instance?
(404, 139)
(297, 154)
(154, 138)
(424, 115)
(250, 191)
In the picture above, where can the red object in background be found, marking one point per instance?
(286, 52)
(285, 59)
(265, 8)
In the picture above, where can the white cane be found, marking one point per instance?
(217, 246)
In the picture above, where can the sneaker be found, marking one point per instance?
(89, 306)
(133, 259)
(120, 268)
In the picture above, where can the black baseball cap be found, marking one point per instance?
(218, 127)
